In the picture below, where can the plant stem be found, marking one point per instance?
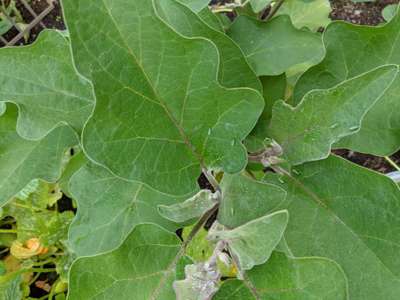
(390, 161)
(211, 179)
(274, 9)
(8, 231)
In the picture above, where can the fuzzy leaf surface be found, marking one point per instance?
(109, 208)
(234, 70)
(139, 269)
(353, 50)
(191, 208)
(323, 117)
(348, 214)
(285, 278)
(22, 160)
(276, 46)
(44, 85)
(252, 243)
(246, 199)
(130, 53)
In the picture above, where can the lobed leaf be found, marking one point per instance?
(139, 269)
(130, 53)
(41, 80)
(276, 46)
(234, 70)
(351, 51)
(109, 208)
(348, 214)
(323, 117)
(286, 278)
(22, 160)
(312, 14)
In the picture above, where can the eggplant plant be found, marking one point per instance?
(149, 95)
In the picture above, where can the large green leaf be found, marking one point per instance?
(10, 286)
(349, 214)
(352, 50)
(276, 46)
(245, 199)
(234, 69)
(109, 208)
(140, 269)
(285, 278)
(22, 160)
(323, 117)
(130, 54)
(312, 14)
(42, 81)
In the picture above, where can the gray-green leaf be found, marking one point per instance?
(312, 14)
(252, 244)
(276, 46)
(22, 160)
(245, 199)
(234, 69)
(285, 278)
(130, 54)
(41, 80)
(323, 117)
(141, 269)
(353, 50)
(192, 208)
(109, 208)
(349, 214)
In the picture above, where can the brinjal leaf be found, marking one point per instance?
(22, 160)
(348, 214)
(148, 125)
(276, 46)
(286, 278)
(142, 268)
(42, 81)
(323, 117)
(351, 51)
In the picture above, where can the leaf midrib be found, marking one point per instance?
(161, 102)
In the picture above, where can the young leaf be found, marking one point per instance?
(312, 14)
(109, 208)
(21, 160)
(275, 47)
(142, 268)
(286, 278)
(201, 282)
(353, 50)
(194, 121)
(192, 208)
(234, 69)
(245, 199)
(348, 214)
(10, 286)
(252, 244)
(323, 117)
(41, 80)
